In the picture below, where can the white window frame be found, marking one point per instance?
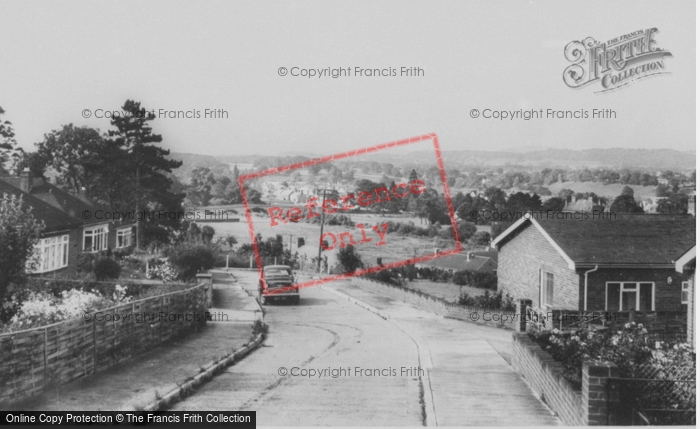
(52, 253)
(124, 233)
(543, 289)
(685, 292)
(97, 232)
(636, 289)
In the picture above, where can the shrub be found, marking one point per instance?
(627, 348)
(85, 262)
(106, 268)
(41, 308)
(349, 259)
(164, 271)
(489, 301)
(192, 258)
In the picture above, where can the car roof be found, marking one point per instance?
(278, 267)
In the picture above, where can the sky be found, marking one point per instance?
(61, 58)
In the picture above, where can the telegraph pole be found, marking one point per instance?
(323, 218)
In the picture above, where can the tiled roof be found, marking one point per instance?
(449, 262)
(71, 204)
(624, 239)
(54, 219)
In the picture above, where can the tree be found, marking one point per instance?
(202, 181)
(554, 204)
(78, 154)
(144, 161)
(466, 230)
(481, 238)
(625, 204)
(10, 154)
(627, 191)
(349, 259)
(19, 233)
(676, 204)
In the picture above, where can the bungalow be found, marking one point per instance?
(69, 231)
(620, 263)
(686, 264)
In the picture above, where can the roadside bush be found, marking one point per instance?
(106, 268)
(489, 301)
(192, 258)
(349, 259)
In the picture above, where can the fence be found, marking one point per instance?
(35, 359)
(655, 397)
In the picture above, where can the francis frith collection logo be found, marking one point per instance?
(615, 63)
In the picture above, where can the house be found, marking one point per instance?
(73, 223)
(686, 264)
(588, 263)
(583, 205)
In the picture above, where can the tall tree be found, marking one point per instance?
(144, 161)
(10, 154)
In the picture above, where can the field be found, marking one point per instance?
(397, 247)
(607, 191)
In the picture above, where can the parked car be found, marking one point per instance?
(278, 283)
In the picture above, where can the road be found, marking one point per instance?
(376, 363)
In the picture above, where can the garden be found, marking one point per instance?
(660, 375)
(111, 278)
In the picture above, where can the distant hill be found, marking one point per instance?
(641, 159)
(647, 159)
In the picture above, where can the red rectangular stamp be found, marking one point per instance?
(315, 206)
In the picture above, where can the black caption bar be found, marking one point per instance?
(238, 419)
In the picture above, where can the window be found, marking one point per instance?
(124, 237)
(685, 292)
(52, 254)
(95, 238)
(546, 289)
(626, 296)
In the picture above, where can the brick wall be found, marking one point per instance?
(520, 261)
(585, 407)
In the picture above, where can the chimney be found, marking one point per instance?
(25, 180)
